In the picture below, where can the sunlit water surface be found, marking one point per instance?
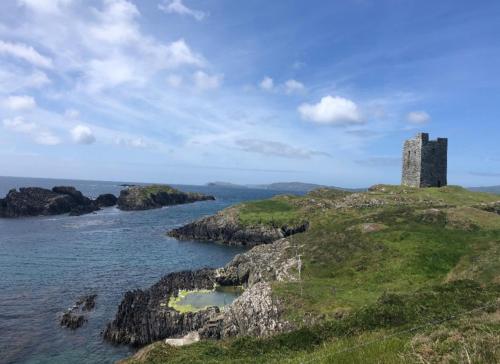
(46, 263)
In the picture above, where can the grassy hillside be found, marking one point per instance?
(391, 275)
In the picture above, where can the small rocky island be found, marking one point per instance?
(156, 196)
(36, 201)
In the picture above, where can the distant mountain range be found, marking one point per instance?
(293, 187)
(490, 189)
(301, 187)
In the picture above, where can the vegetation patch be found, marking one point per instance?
(273, 212)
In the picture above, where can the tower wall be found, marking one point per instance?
(425, 162)
(412, 158)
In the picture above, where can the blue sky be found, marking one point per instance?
(194, 91)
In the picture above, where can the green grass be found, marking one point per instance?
(380, 330)
(273, 212)
(146, 191)
(436, 256)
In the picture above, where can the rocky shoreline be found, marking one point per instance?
(144, 316)
(224, 227)
(36, 201)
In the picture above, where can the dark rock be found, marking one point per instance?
(35, 201)
(75, 317)
(106, 200)
(83, 209)
(73, 192)
(72, 321)
(156, 196)
(144, 316)
(87, 303)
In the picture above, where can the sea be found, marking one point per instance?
(47, 263)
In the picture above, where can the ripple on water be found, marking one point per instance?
(47, 263)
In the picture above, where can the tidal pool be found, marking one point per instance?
(192, 301)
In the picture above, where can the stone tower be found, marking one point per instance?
(425, 161)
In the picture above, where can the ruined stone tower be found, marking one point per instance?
(425, 161)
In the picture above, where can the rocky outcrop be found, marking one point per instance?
(76, 316)
(35, 201)
(156, 196)
(263, 263)
(225, 227)
(490, 207)
(106, 200)
(144, 316)
(254, 313)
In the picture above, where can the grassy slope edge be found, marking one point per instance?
(395, 274)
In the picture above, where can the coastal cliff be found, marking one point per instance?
(226, 227)
(369, 266)
(156, 196)
(144, 315)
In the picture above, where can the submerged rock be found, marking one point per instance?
(156, 196)
(72, 321)
(75, 317)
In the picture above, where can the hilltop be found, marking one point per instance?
(291, 187)
(389, 275)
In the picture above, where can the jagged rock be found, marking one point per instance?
(263, 263)
(35, 201)
(224, 227)
(144, 316)
(106, 200)
(156, 196)
(72, 321)
(75, 317)
(87, 303)
(255, 313)
(79, 198)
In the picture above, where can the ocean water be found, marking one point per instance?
(46, 263)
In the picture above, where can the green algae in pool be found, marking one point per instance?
(197, 300)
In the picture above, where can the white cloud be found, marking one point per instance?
(418, 117)
(135, 142)
(178, 7)
(267, 83)
(174, 80)
(82, 134)
(19, 103)
(203, 81)
(72, 114)
(26, 53)
(47, 138)
(293, 86)
(44, 6)
(178, 53)
(331, 110)
(278, 149)
(19, 125)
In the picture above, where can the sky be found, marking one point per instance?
(193, 91)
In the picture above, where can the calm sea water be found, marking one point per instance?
(46, 263)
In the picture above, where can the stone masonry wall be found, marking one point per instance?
(425, 162)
